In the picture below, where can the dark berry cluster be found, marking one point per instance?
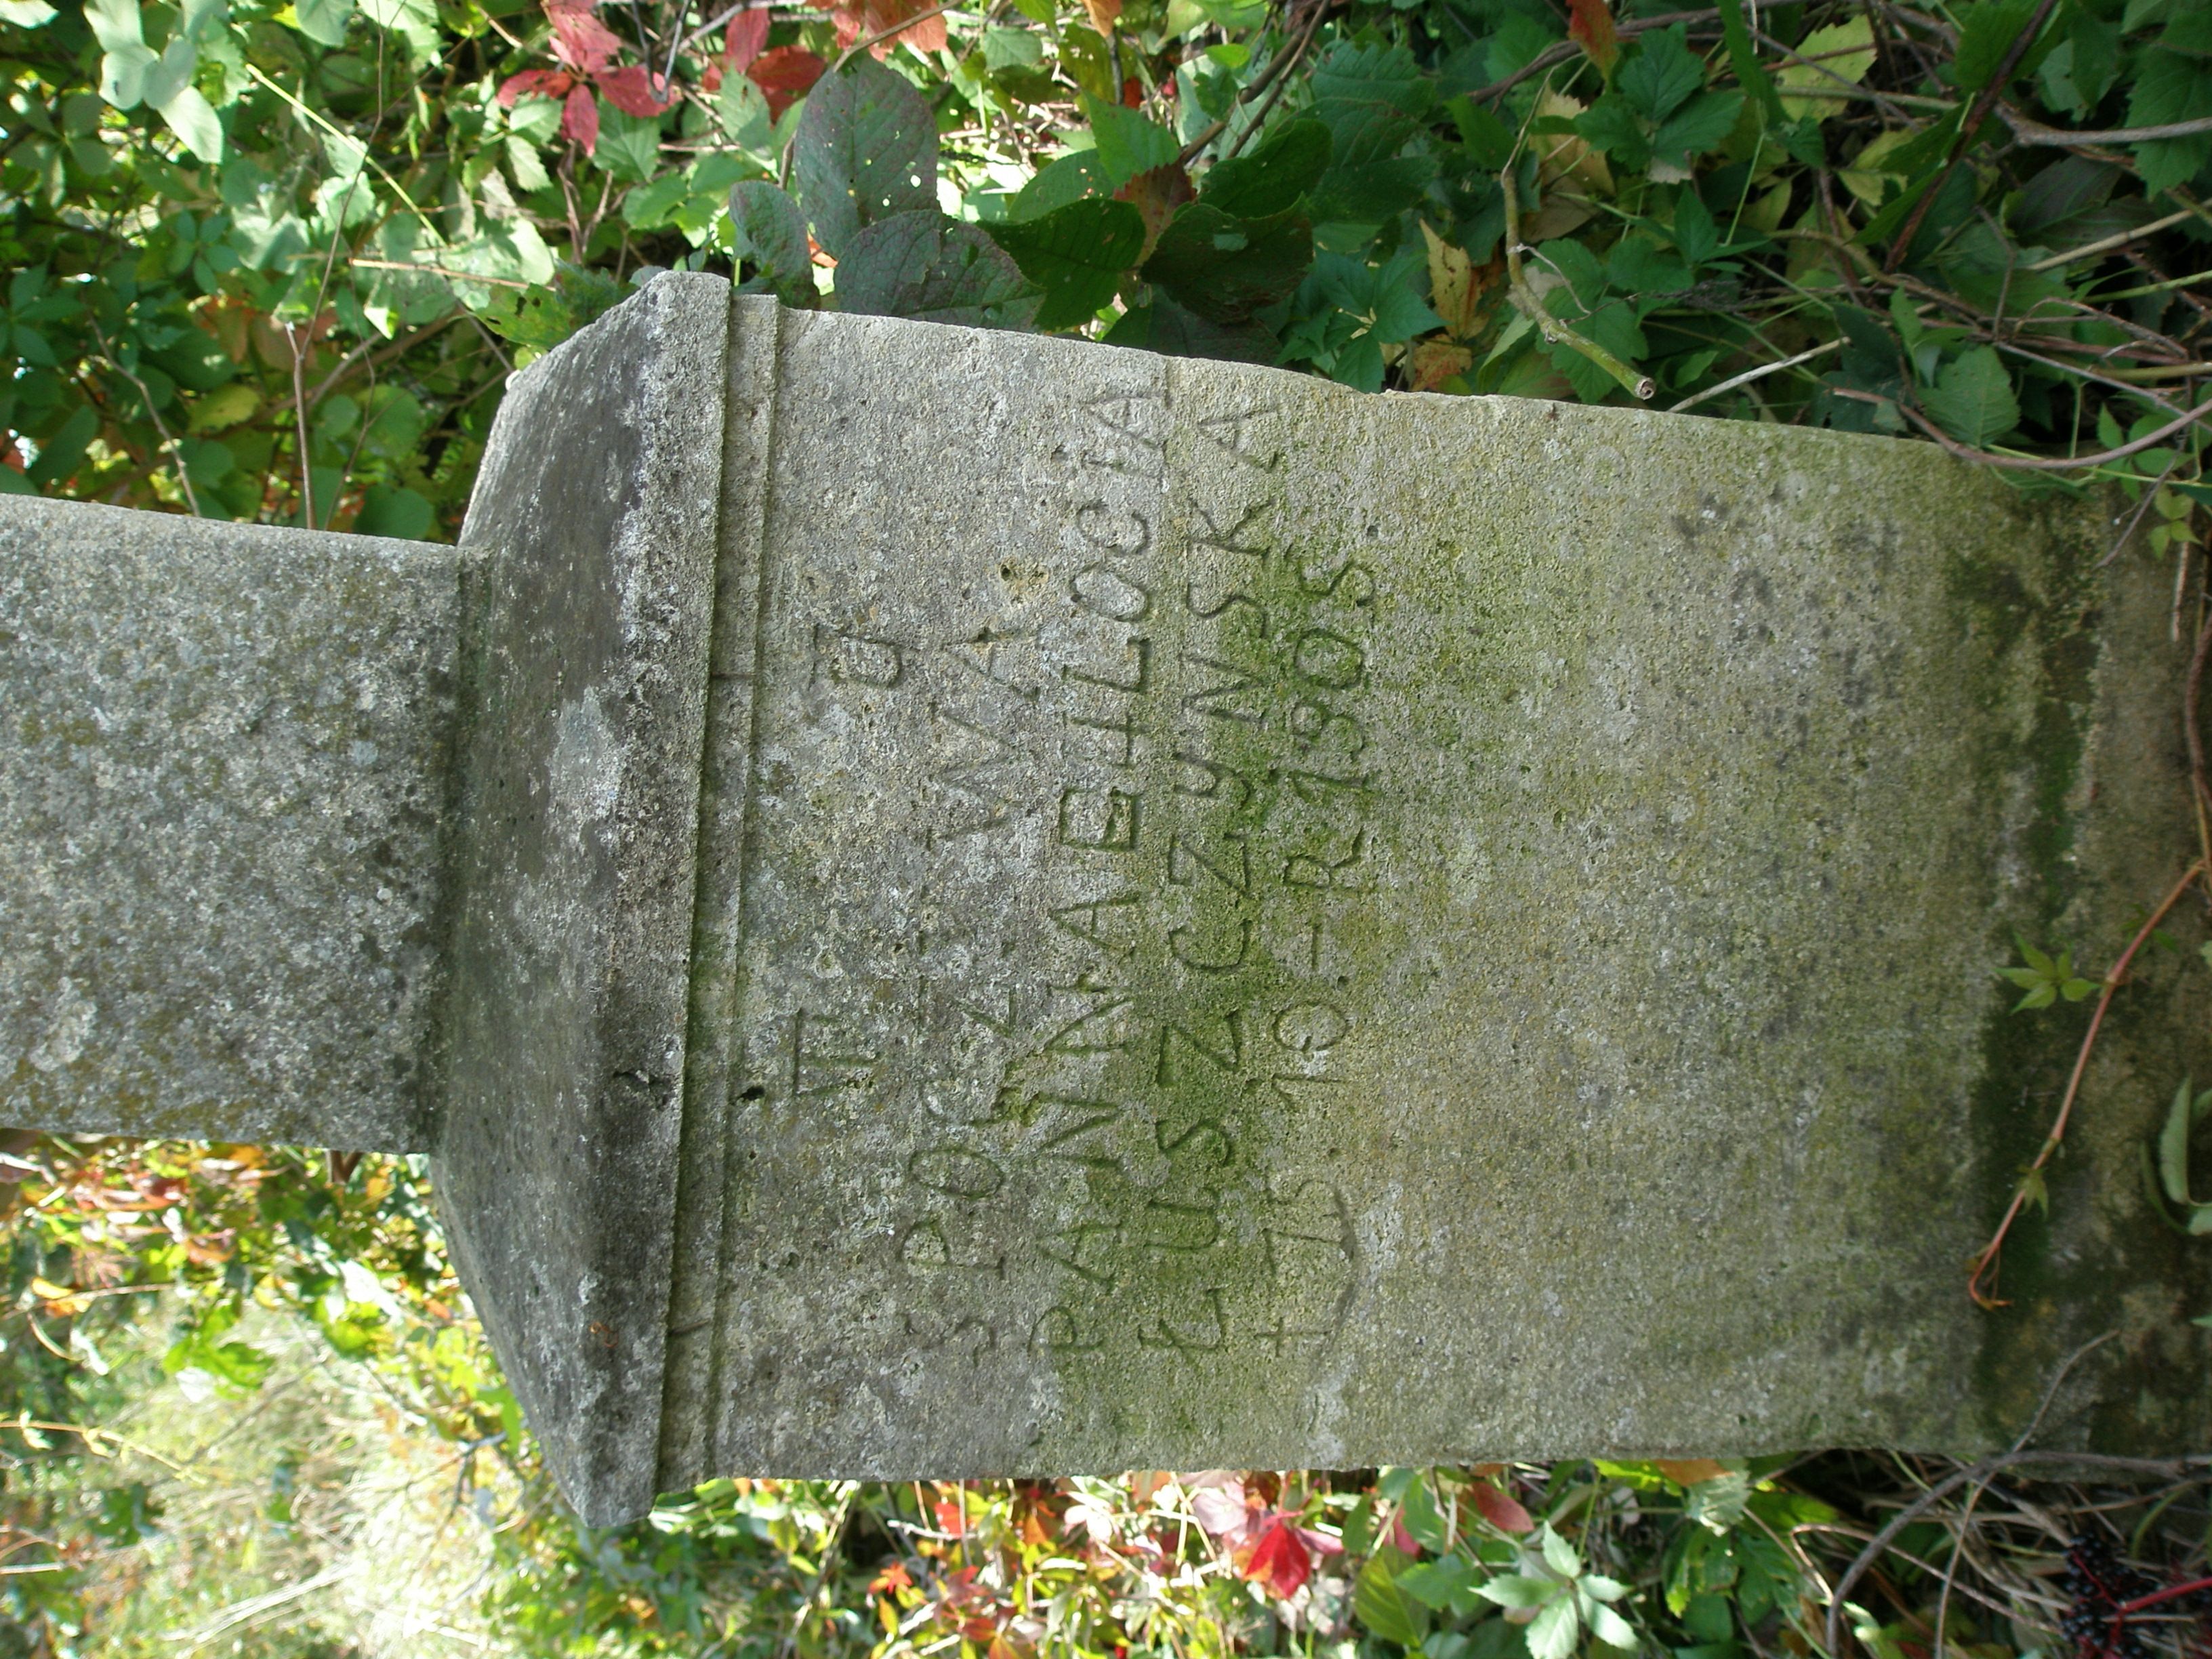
(2097, 1583)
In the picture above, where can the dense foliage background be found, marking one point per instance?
(275, 262)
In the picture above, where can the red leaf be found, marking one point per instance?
(881, 21)
(1279, 1557)
(581, 41)
(1590, 24)
(784, 74)
(543, 83)
(1400, 1539)
(580, 119)
(1499, 1509)
(746, 37)
(630, 90)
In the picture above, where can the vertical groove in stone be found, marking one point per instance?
(689, 1388)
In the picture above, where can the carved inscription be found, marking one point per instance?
(1124, 1035)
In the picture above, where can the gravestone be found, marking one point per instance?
(951, 903)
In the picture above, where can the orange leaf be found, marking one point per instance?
(784, 74)
(1688, 1471)
(1500, 1509)
(1103, 14)
(1156, 195)
(1589, 22)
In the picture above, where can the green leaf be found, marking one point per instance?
(1424, 1521)
(123, 70)
(629, 145)
(1743, 58)
(1610, 1628)
(2170, 87)
(1972, 399)
(1371, 192)
(1513, 1590)
(2173, 1145)
(324, 21)
(1552, 1633)
(772, 233)
(926, 266)
(1610, 125)
(1698, 127)
(1387, 1610)
(24, 15)
(1852, 45)
(1662, 74)
(1065, 179)
(1438, 1583)
(389, 511)
(1560, 1555)
(865, 151)
(1128, 144)
(1371, 95)
(1272, 177)
(115, 24)
(1694, 231)
(1986, 34)
(1077, 254)
(1227, 269)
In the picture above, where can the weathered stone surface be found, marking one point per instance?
(222, 767)
(970, 904)
(575, 842)
(1272, 927)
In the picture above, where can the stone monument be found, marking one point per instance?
(953, 903)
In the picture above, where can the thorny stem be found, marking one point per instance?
(1525, 301)
(1278, 65)
(1967, 129)
(1985, 1263)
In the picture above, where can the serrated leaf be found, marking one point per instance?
(1552, 1633)
(2034, 1189)
(1662, 75)
(1272, 177)
(1387, 1610)
(1986, 34)
(1436, 1583)
(1077, 254)
(772, 233)
(865, 151)
(1128, 144)
(1610, 1628)
(933, 269)
(1972, 399)
(1698, 127)
(1694, 231)
(1227, 269)
(1515, 1590)
(1604, 1588)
